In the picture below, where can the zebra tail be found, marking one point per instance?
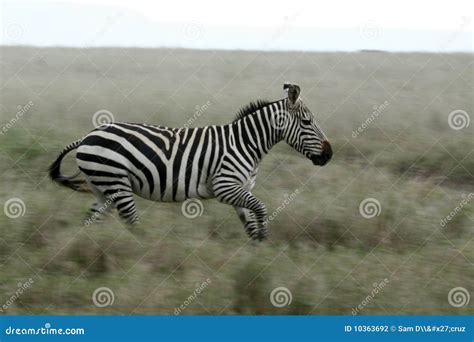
(70, 182)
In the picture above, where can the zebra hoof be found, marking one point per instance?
(261, 235)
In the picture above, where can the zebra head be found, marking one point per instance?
(300, 129)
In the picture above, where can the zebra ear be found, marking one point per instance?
(293, 91)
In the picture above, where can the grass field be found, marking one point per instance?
(331, 259)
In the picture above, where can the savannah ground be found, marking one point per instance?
(319, 247)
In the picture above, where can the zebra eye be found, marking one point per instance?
(306, 122)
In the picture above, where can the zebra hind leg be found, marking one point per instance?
(125, 205)
(99, 210)
(116, 193)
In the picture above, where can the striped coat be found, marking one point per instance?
(174, 164)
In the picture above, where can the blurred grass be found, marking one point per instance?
(319, 247)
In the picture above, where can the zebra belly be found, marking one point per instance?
(203, 191)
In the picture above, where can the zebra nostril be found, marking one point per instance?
(327, 150)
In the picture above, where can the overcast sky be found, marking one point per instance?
(401, 25)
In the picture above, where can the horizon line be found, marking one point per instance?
(2, 45)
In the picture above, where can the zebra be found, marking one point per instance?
(164, 164)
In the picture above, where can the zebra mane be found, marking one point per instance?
(252, 107)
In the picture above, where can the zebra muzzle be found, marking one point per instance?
(325, 156)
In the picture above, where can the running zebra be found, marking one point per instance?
(174, 164)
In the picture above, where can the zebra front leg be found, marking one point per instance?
(247, 218)
(236, 195)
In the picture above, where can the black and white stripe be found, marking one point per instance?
(174, 164)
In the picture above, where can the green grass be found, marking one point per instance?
(319, 246)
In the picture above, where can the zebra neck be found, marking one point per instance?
(257, 133)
